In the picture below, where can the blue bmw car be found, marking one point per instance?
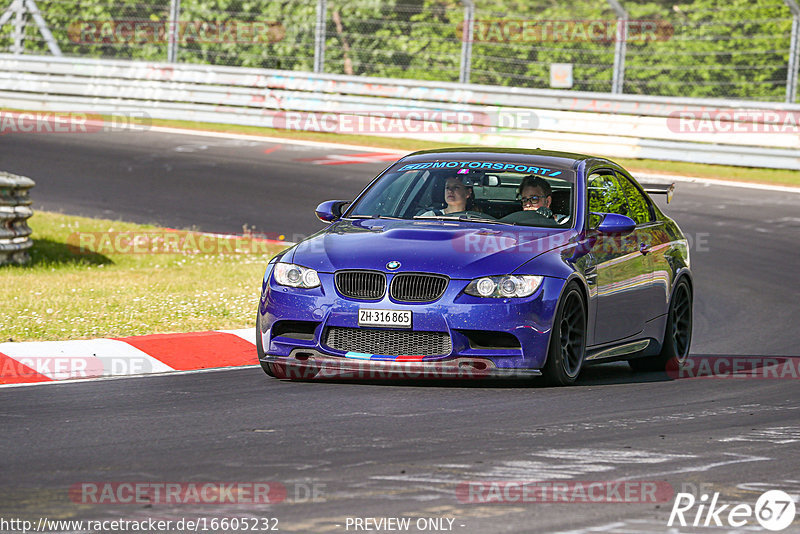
(479, 262)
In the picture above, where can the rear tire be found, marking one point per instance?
(677, 335)
(272, 369)
(567, 347)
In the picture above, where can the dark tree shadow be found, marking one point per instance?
(49, 252)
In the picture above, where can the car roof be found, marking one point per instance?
(543, 157)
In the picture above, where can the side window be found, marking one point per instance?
(638, 206)
(605, 195)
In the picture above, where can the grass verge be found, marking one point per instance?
(108, 288)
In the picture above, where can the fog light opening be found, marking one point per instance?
(478, 366)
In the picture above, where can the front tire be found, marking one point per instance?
(567, 339)
(677, 336)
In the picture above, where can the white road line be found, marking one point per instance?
(779, 435)
(301, 142)
(322, 144)
(668, 178)
(741, 458)
(614, 456)
(127, 377)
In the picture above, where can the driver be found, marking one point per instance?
(459, 197)
(536, 195)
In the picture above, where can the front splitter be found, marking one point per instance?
(310, 364)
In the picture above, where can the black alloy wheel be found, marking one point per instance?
(677, 335)
(567, 339)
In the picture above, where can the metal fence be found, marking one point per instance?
(92, 96)
(744, 49)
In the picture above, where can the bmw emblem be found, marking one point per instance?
(392, 265)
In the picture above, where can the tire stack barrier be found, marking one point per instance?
(15, 211)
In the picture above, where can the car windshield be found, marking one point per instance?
(494, 191)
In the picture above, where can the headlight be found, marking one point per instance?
(508, 286)
(289, 274)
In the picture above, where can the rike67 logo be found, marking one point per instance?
(774, 510)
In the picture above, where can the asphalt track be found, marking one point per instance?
(183, 181)
(402, 449)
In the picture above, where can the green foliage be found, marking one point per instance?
(739, 49)
(72, 25)
(609, 193)
(702, 48)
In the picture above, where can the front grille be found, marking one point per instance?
(366, 285)
(389, 342)
(417, 287)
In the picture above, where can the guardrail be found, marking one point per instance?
(14, 214)
(755, 134)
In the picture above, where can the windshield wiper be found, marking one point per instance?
(373, 217)
(468, 218)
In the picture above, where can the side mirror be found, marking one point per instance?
(614, 223)
(330, 210)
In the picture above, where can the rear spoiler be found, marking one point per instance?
(660, 189)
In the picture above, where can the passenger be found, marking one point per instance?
(459, 198)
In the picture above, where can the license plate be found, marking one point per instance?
(396, 318)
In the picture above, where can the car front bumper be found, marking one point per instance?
(456, 314)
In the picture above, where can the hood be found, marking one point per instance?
(453, 248)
